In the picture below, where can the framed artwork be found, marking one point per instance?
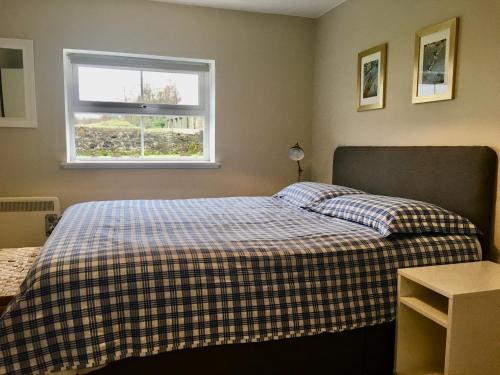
(371, 78)
(434, 69)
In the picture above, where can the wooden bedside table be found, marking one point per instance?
(448, 319)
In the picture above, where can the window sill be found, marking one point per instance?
(139, 165)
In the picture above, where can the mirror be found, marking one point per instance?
(12, 100)
(17, 84)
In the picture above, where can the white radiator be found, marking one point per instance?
(25, 221)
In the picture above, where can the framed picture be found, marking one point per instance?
(371, 78)
(434, 69)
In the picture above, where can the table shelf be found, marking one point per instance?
(431, 306)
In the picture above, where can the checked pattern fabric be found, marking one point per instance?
(307, 194)
(135, 278)
(396, 215)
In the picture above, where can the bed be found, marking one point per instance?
(240, 284)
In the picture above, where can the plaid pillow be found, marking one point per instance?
(396, 215)
(307, 194)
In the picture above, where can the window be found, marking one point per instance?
(138, 109)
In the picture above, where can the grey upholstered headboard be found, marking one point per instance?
(460, 179)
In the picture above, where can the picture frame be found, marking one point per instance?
(435, 60)
(371, 78)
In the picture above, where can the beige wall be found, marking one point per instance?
(264, 92)
(264, 70)
(473, 118)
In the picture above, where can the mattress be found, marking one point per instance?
(136, 278)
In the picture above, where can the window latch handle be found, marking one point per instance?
(143, 106)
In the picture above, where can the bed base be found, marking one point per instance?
(365, 351)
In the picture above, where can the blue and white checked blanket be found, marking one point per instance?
(135, 278)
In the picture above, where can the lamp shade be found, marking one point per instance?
(296, 153)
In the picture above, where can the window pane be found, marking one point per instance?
(99, 135)
(109, 85)
(119, 136)
(173, 136)
(170, 88)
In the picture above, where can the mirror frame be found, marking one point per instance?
(30, 119)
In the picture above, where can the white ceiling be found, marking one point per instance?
(302, 8)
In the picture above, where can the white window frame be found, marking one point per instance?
(205, 69)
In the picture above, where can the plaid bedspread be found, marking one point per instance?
(135, 278)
